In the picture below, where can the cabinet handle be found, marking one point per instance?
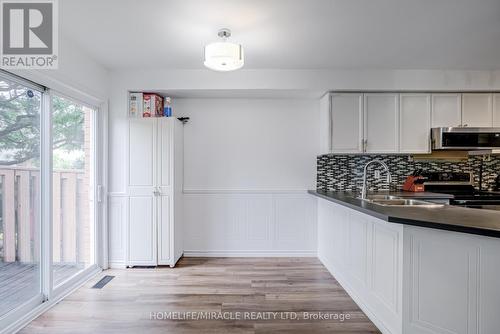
(465, 125)
(365, 146)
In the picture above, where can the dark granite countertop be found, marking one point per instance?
(447, 217)
(423, 195)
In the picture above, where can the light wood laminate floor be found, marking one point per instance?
(225, 286)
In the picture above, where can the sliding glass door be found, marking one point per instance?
(73, 223)
(20, 138)
(48, 208)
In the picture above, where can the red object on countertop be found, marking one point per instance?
(414, 183)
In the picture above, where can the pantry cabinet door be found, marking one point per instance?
(381, 126)
(346, 123)
(141, 231)
(164, 153)
(142, 155)
(142, 212)
(446, 110)
(415, 123)
(477, 110)
(496, 110)
(164, 230)
(165, 185)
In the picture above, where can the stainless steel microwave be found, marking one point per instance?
(464, 138)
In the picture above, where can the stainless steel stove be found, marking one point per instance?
(461, 186)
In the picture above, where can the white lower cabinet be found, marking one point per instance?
(164, 230)
(142, 230)
(409, 279)
(365, 258)
(154, 192)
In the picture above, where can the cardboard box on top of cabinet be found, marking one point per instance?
(135, 104)
(153, 105)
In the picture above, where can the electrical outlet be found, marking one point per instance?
(377, 174)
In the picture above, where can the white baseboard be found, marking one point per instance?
(248, 253)
(117, 265)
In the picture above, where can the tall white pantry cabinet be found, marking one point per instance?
(155, 174)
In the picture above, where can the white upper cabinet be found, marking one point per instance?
(346, 123)
(414, 123)
(477, 110)
(325, 124)
(446, 110)
(496, 110)
(399, 122)
(381, 126)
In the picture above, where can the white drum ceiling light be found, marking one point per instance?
(224, 56)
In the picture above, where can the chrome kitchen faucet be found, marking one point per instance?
(386, 168)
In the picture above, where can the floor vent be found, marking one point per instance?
(105, 280)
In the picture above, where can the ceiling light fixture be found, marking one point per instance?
(224, 56)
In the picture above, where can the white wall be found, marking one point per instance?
(249, 144)
(248, 164)
(309, 80)
(78, 75)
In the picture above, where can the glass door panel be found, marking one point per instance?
(73, 188)
(20, 108)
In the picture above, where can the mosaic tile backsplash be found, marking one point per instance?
(345, 172)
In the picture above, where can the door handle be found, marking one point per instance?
(100, 193)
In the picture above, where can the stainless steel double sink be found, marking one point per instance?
(389, 200)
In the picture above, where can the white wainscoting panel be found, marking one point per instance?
(489, 289)
(386, 259)
(364, 254)
(118, 207)
(249, 223)
(358, 247)
(443, 281)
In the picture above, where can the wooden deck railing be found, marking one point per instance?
(20, 213)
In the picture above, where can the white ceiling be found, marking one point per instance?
(289, 34)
